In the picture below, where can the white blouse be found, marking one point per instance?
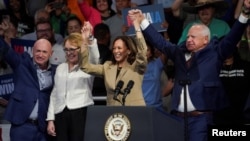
(72, 89)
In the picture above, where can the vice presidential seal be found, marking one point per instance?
(117, 127)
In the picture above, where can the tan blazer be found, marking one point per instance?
(129, 72)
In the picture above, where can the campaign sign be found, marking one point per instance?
(153, 13)
(166, 3)
(21, 45)
(6, 85)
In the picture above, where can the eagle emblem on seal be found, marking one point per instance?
(117, 127)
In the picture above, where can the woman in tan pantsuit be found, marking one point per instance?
(128, 63)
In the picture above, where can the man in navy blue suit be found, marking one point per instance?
(33, 82)
(198, 90)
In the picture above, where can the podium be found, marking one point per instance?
(146, 124)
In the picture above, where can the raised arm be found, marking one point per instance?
(141, 58)
(153, 36)
(237, 10)
(229, 42)
(176, 7)
(89, 52)
(91, 43)
(8, 54)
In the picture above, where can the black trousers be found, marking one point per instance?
(70, 124)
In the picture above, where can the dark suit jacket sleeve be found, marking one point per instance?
(159, 42)
(228, 44)
(9, 55)
(3, 48)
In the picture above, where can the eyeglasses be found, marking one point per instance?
(71, 50)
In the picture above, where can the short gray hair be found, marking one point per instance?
(205, 30)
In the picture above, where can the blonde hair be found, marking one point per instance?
(75, 39)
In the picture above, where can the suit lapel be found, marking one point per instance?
(123, 71)
(113, 73)
(121, 74)
(33, 72)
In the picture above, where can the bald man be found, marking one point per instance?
(33, 82)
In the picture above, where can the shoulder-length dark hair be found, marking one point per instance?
(130, 43)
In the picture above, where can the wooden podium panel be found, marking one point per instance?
(146, 123)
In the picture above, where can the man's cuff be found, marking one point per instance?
(242, 18)
(144, 24)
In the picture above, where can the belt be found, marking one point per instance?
(32, 121)
(191, 113)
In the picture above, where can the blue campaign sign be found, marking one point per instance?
(153, 13)
(21, 45)
(166, 3)
(6, 85)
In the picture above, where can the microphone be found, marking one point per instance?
(127, 90)
(117, 89)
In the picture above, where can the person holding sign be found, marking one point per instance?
(28, 104)
(198, 91)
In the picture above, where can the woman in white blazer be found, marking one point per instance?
(72, 91)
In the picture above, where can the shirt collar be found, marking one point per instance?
(75, 68)
(38, 68)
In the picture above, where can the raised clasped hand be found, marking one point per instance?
(86, 30)
(135, 15)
